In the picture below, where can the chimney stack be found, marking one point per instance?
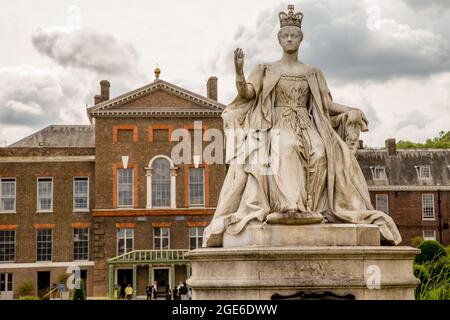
(360, 144)
(211, 88)
(104, 89)
(391, 147)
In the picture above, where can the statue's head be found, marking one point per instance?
(290, 35)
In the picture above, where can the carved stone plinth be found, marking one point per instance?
(347, 262)
(258, 235)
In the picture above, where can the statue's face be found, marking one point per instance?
(290, 38)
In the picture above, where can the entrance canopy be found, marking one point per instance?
(140, 257)
(150, 258)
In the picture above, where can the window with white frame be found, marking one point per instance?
(125, 240)
(424, 172)
(81, 244)
(161, 183)
(45, 194)
(196, 237)
(7, 195)
(379, 173)
(382, 203)
(196, 187)
(161, 238)
(81, 194)
(427, 206)
(429, 234)
(7, 245)
(44, 244)
(125, 182)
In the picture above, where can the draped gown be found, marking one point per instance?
(297, 152)
(309, 168)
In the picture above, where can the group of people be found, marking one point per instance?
(152, 291)
(180, 292)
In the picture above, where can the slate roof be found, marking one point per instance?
(60, 136)
(402, 168)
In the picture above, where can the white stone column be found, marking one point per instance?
(173, 187)
(172, 282)
(148, 174)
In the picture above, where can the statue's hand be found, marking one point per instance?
(357, 116)
(239, 61)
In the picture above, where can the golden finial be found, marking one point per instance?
(157, 72)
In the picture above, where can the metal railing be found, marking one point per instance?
(148, 256)
(47, 295)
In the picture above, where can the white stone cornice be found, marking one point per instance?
(409, 188)
(159, 113)
(25, 265)
(23, 159)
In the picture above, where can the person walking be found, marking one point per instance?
(128, 292)
(155, 290)
(168, 293)
(148, 292)
(182, 291)
(175, 294)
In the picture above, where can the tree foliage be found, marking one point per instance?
(441, 142)
(430, 251)
(25, 288)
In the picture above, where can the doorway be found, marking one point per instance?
(124, 277)
(6, 286)
(162, 277)
(83, 276)
(43, 283)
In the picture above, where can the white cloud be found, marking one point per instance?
(87, 49)
(32, 98)
(348, 40)
(406, 109)
(429, 4)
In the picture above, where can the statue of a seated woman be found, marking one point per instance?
(299, 165)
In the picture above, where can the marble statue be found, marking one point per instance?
(304, 144)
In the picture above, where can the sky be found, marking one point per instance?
(390, 58)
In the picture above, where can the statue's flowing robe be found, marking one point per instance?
(245, 193)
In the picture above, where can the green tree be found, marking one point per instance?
(441, 142)
(431, 250)
(25, 288)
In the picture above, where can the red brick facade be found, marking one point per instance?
(405, 207)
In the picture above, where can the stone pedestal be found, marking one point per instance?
(264, 261)
(319, 235)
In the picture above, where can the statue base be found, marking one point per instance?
(260, 235)
(292, 262)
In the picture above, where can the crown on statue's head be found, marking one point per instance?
(290, 18)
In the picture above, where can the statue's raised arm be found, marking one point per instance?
(244, 89)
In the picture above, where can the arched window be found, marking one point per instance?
(161, 183)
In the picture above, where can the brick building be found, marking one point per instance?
(413, 186)
(110, 199)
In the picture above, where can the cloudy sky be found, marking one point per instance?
(391, 58)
